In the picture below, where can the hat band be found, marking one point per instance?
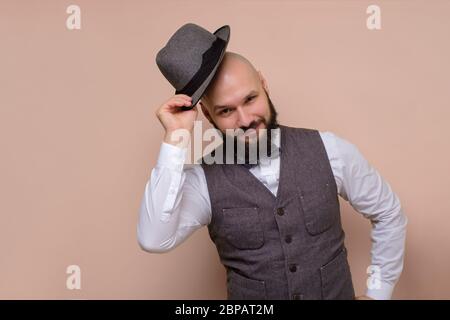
(209, 61)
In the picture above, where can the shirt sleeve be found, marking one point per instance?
(363, 187)
(175, 202)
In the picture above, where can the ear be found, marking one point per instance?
(263, 81)
(205, 111)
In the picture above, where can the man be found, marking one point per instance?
(276, 224)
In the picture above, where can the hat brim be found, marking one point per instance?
(224, 34)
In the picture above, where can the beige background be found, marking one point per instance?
(79, 138)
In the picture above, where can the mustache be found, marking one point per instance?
(252, 125)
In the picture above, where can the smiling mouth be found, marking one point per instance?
(255, 126)
(253, 132)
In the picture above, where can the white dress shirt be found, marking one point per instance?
(176, 203)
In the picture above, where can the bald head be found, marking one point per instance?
(237, 97)
(233, 69)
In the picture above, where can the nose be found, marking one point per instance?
(244, 119)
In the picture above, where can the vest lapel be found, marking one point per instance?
(244, 180)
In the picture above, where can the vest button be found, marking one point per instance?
(288, 239)
(280, 211)
(293, 268)
(296, 296)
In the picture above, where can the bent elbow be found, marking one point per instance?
(150, 246)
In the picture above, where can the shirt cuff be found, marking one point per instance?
(384, 292)
(171, 157)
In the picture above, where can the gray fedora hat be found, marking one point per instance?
(191, 58)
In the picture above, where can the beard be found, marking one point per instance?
(245, 152)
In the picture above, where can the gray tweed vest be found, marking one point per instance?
(286, 247)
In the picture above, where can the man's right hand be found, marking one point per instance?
(173, 118)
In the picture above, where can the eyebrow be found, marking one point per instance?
(252, 93)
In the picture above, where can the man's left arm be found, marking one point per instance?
(363, 187)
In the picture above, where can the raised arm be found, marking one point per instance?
(176, 200)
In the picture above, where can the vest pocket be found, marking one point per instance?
(242, 227)
(320, 207)
(243, 288)
(336, 279)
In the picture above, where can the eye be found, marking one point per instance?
(225, 111)
(250, 98)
